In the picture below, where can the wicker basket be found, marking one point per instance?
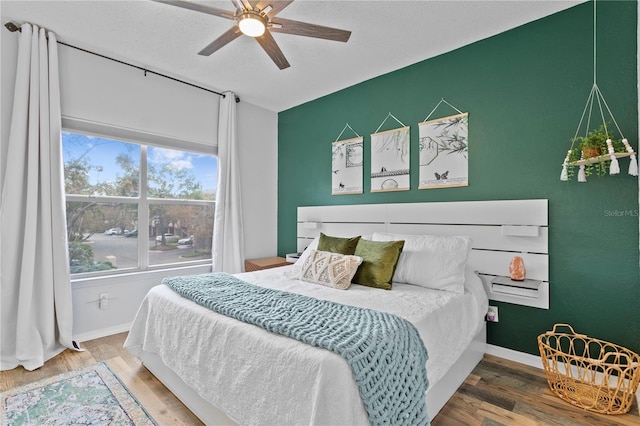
(589, 373)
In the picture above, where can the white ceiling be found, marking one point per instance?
(386, 36)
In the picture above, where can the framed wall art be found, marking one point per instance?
(346, 166)
(444, 152)
(390, 164)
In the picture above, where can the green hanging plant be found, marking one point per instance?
(590, 154)
(593, 145)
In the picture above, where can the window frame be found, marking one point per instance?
(143, 140)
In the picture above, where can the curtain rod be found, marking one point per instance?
(13, 28)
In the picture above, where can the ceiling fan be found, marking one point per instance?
(257, 19)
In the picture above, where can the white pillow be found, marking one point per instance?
(305, 253)
(431, 261)
(333, 270)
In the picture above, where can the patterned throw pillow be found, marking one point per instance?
(333, 270)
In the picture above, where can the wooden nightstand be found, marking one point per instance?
(264, 263)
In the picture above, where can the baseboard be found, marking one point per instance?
(103, 332)
(516, 356)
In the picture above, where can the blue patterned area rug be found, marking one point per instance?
(90, 396)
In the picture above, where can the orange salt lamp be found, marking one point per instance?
(516, 269)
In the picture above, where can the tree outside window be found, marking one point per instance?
(122, 195)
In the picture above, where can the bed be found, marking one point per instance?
(229, 372)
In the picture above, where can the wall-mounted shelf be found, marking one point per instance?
(530, 292)
(525, 288)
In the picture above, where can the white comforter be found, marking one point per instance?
(259, 378)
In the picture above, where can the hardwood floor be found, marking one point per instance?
(502, 392)
(498, 392)
(165, 408)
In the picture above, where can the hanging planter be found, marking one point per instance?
(597, 152)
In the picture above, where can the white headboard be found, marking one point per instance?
(500, 230)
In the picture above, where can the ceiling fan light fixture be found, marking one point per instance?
(254, 19)
(252, 24)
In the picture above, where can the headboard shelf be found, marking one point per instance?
(498, 229)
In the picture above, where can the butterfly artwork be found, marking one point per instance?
(441, 176)
(444, 152)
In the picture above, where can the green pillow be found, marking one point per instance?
(379, 260)
(337, 244)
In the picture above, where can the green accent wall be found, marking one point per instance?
(525, 91)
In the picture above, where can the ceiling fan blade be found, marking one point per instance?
(287, 26)
(199, 8)
(228, 36)
(271, 47)
(243, 4)
(276, 6)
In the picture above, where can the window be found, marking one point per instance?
(132, 206)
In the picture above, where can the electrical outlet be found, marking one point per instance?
(103, 300)
(492, 314)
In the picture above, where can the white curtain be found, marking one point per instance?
(36, 291)
(228, 232)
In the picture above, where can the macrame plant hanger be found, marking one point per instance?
(611, 154)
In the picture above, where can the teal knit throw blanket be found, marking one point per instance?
(385, 352)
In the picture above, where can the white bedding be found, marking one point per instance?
(259, 378)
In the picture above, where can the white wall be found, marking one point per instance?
(97, 92)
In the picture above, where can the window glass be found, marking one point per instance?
(181, 174)
(111, 227)
(101, 236)
(180, 233)
(99, 166)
